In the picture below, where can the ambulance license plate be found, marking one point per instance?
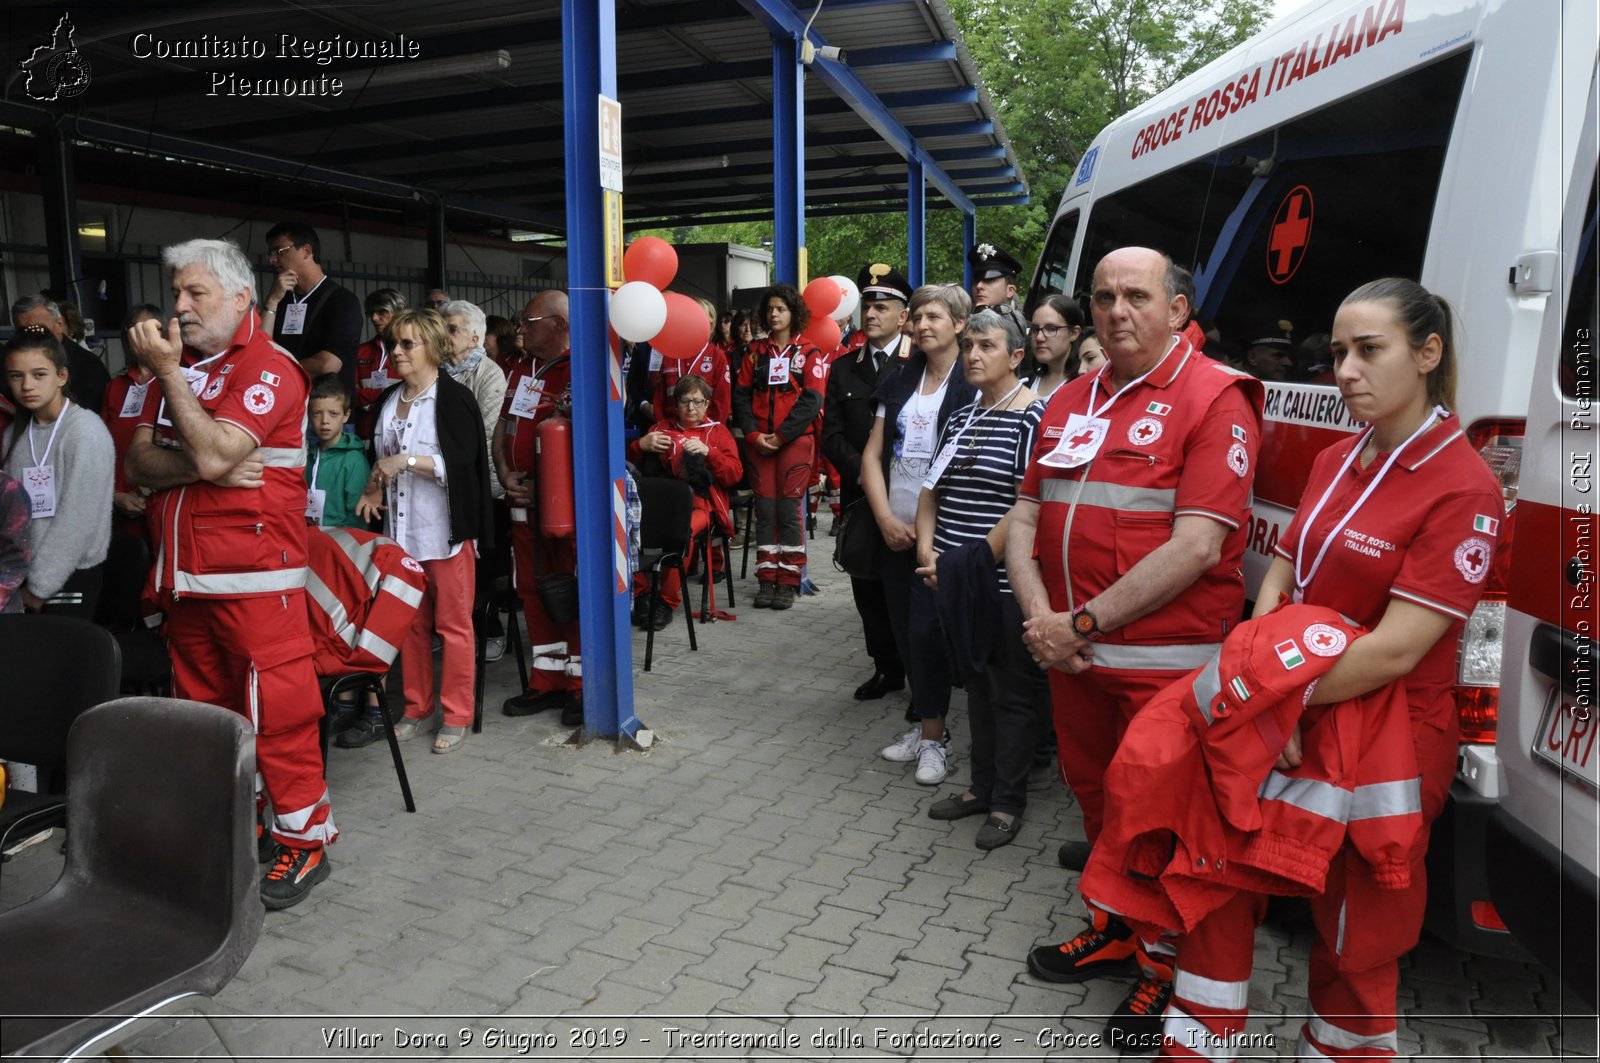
(1568, 742)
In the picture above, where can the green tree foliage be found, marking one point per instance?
(1058, 71)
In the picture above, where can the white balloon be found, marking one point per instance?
(638, 310)
(850, 299)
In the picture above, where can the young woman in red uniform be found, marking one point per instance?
(1396, 530)
(374, 371)
(776, 402)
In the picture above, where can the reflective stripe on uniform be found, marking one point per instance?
(398, 587)
(378, 646)
(1179, 657)
(227, 583)
(330, 604)
(1309, 795)
(360, 553)
(550, 657)
(297, 824)
(1337, 1037)
(1403, 797)
(1111, 496)
(282, 457)
(1209, 991)
(1192, 1037)
(1206, 688)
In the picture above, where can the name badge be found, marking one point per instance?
(1080, 442)
(942, 462)
(40, 483)
(133, 401)
(316, 499)
(656, 359)
(294, 319)
(778, 370)
(197, 380)
(525, 403)
(378, 380)
(920, 438)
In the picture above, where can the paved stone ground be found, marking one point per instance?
(758, 871)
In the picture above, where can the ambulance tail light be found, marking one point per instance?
(1499, 443)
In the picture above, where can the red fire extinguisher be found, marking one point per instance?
(553, 445)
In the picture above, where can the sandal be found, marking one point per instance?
(448, 739)
(405, 727)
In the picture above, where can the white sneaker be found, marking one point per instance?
(494, 648)
(931, 763)
(904, 749)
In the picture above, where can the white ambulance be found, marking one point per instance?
(1451, 141)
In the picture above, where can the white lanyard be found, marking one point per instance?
(316, 464)
(309, 294)
(383, 357)
(1094, 386)
(37, 461)
(980, 412)
(1301, 582)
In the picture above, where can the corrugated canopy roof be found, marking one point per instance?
(694, 78)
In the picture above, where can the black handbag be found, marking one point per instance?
(858, 551)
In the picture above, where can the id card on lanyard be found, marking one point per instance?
(1084, 434)
(316, 498)
(39, 479)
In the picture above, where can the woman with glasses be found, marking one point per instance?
(469, 364)
(430, 488)
(962, 510)
(687, 445)
(1057, 324)
(914, 405)
(373, 372)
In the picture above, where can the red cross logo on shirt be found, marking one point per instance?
(1144, 431)
(1082, 439)
(1323, 639)
(258, 402)
(1291, 234)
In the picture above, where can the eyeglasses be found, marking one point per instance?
(274, 252)
(693, 404)
(410, 345)
(530, 321)
(1049, 332)
(455, 330)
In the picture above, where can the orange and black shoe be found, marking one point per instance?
(292, 875)
(1136, 1024)
(1104, 947)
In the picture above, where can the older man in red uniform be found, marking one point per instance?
(221, 442)
(1124, 552)
(539, 384)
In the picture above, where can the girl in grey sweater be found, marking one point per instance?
(64, 458)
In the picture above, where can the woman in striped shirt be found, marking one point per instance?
(965, 499)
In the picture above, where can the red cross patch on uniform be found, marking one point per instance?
(1239, 460)
(1472, 559)
(1324, 641)
(1144, 431)
(259, 399)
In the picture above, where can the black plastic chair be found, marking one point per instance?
(358, 685)
(666, 507)
(499, 598)
(55, 668)
(713, 534)
(159, 903)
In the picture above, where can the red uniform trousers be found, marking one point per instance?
(557, 650)
(253, 655)
(1362, 931)
(446, 609)
(780, 482)
(671, 585)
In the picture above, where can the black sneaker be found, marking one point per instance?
(367, 731)
(344, 715)
(1090, 954)
(1074, 855)
(529, 703)
(783, 597)
(660, 618)
(293, 873)
(1135, 1025)
(572, 711)
(764, 595)
(641, 609)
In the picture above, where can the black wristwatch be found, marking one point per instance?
(1085, 624)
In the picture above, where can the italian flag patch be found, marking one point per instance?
(1238, 433)
(1488, 525)
(1160, 409)
(1289, 654)
(1240, 691)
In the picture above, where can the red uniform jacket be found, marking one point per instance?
(361, 596)
(788, 402)
(234, 542)
(548, 386)
(712, 364)
(1195, 810)
(372, 379)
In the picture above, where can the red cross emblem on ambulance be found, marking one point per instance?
(1290, 235)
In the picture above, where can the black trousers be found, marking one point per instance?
(873, 608)
(1006, 708)
(80, 595)
(914, 619)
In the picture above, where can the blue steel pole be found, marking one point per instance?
(969, 239)
(916, 222)
(788, 159)
(589, 69)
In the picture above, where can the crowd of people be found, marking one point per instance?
(1046, 512)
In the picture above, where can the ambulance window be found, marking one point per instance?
(1583, 316)
(1280, 226)
(1056, 262)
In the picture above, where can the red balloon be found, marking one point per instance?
(686, 331)
(823, 332)
(652, 260)
(823, 296)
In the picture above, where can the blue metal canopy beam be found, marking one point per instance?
(901, 54)
(788, 159)
(781, 20)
